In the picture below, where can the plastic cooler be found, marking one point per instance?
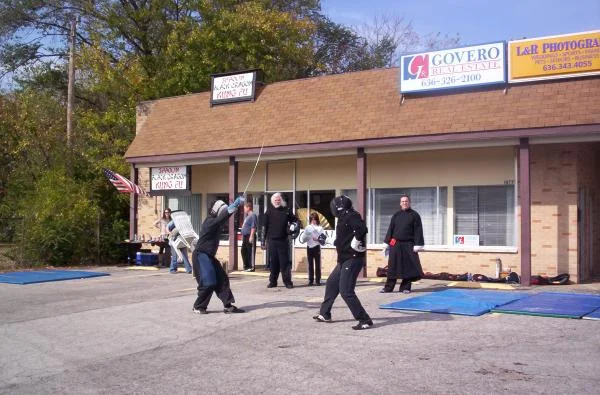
(146, 259)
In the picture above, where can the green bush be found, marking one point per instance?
(60, 222)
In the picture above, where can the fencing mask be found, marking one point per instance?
(217, 207)
(341, 204)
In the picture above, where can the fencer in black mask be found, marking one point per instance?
(208, 271)
(350, 244)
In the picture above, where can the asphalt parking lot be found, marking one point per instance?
(134, 332)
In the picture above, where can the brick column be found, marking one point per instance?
(361, 189)
(233, 181)
(525, 202)
(133, 204)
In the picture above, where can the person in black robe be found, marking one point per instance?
(404, 240)
(279, 223)
(209, 274)
(350, 244)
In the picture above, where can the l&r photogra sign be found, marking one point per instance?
(453, 68)
(171, 180)
(569, 55)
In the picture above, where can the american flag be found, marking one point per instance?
(122, 184)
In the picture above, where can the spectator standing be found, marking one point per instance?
(404, 240)
(279, 223)
(249, 237)
(312, 236)
(164, 249)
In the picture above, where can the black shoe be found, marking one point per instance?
(310, 284)
(363, 325)
(318, 283)
(384, 291)
(199, 311)
(289, 286)
(321, 318)
(271, 285)
(232, 310)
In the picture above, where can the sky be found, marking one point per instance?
(475, 21)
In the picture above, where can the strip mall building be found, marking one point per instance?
(508, 171)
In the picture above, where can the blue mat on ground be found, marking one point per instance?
(553, 304)
(594, 315)
(471, 302)
(43, 276)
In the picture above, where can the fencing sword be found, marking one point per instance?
(253, 262)
(254, 170)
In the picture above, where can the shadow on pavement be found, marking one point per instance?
(409, 318)
(282, 303)
(405, 319)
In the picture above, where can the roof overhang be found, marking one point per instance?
(544, 135)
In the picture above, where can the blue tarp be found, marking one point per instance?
(471, 302)
(553, 304)
(46, 275)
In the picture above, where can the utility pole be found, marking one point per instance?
(71, 80)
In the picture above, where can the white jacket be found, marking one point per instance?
(311, 234)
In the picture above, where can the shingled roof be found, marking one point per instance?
(353, 106)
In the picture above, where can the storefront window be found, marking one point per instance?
(309, 201)
(486, 211)
(429, 202)
(192, 205)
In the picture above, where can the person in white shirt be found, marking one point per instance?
(164, 252)
(313, 237)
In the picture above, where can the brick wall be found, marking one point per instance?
(434, 262)
(554, 209)
(588, 177)
(149, 208)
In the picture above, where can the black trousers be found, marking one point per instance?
(164, 254)
(248, 250)
(313, 256)
(221, 288)
(405, 285)
(279, 258)
(342, 281)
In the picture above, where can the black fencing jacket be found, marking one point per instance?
(349, 225)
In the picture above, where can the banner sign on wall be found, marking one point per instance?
(453, 68)
(466, 240)
(169, 179)
(570, 55)
(234, 87)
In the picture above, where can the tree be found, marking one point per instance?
(129, 51)
(390, 37)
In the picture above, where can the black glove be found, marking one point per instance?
(322, 239)
(263, 245)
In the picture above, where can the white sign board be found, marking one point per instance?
(234, 87)
(466, 240)
(169, 178)
(453, 68)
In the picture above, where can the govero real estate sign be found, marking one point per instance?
(569, 55)
(483, 64)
